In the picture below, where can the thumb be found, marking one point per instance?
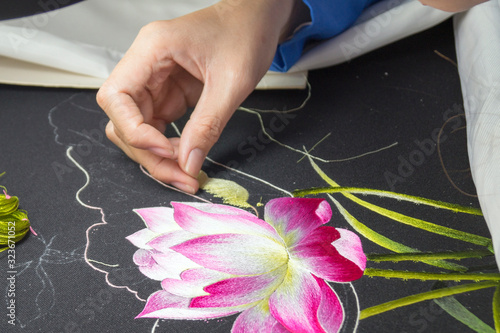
(214, 109)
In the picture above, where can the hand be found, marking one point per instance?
(452, 5)
(211, 60)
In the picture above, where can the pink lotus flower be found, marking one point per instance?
(216, 260)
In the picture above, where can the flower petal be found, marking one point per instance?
(143, 257)
(193, 282)
(148, 265)
(296, 302)
(159, 266)
(218, 220)
(173, 263)
(218, 209)
(164, 242)
(240, 290)
(141, 238)
(257, 319)
(295, 218)
(330, 311)
(162, 304)
(234, 253)
(158, 219)
(154, 272)
(349, 246)
(319, 254)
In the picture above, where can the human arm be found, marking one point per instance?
(452, 5)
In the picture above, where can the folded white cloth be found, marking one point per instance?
(477, 34)
(90, 37)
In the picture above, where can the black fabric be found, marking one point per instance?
(402, 93)
(21, 8)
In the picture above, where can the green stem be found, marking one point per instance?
(425, 276)
(496, 309)
(417, 223)
(388, 194)
(438, 293)
(395, 257)
(424, 225)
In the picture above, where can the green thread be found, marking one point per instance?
(429, 295)
(14, 223)
(8, 204)
(13, 227)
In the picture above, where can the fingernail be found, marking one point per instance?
(162, 152)
(194, 162)
(184, 187)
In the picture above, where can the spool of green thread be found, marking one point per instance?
(14, 223)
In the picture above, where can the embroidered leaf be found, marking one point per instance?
(230, 192)
(460, 313)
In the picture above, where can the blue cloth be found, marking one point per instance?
(328, 19)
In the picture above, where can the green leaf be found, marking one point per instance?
(460, 313)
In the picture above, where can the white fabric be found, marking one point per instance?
(88, 38)
(477, 34)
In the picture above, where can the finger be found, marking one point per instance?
(215, 107)
(180, 92)
(130, 127)
(163, 169)
(128, 97)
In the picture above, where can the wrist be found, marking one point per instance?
(277, 17)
